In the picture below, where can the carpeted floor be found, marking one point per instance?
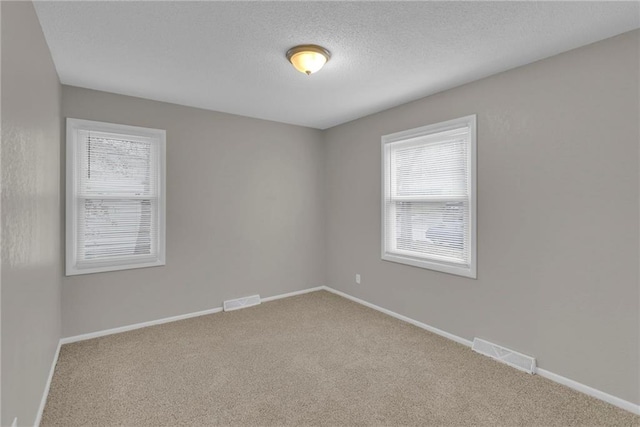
(314, 359)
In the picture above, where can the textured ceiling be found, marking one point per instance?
(229, 56)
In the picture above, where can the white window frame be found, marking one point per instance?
(426, 262)
(159, 136)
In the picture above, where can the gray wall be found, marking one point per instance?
(245, 214)
(31, 213)
(557, 215)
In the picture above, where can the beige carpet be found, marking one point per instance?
(314, 359)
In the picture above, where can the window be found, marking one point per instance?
(115, 197)
(429, 197)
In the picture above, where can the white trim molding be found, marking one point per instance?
(403, 318)
(294, 293)
(134, 326)
(91, 335)
(575, 385)
(616, 401)
(47, 386)
(590, 391)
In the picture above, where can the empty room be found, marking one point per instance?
(332, 213)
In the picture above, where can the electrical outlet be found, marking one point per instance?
(358, 279)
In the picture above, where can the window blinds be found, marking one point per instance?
(116, 200)
(428, 192)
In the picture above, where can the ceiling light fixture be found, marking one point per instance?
(308, 58)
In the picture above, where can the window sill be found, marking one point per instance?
(72, 270)
(458, 270)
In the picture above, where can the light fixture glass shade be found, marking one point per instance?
(308, 58)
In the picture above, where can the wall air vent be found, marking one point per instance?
(512, 358)
(244, 302)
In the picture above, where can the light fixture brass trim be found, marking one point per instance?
(307, 48)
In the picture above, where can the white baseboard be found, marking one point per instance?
(616, 401)
(293, 294)
(126, 328)
(83, 337)
(43, 401)
(403, 318)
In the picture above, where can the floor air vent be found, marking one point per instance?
(504, 355)
(236, 304)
